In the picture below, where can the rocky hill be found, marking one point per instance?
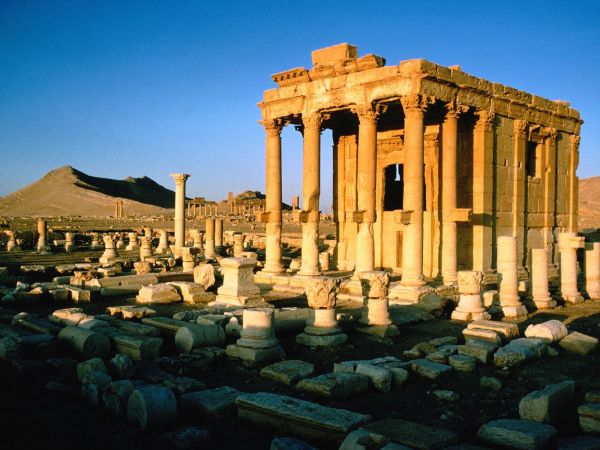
(589, 203)
(68, 192)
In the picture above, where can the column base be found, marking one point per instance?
(467, 316)
(273, 269)
(308, 273)
(255, 355)
(544, 303)
(332, 340)
(594, 295)
(401, 294)
(514, 312)
(573, 298)
(378, 331)
(238, 300)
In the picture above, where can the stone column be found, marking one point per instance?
(508, 281)
(146, 248)
(412, 250)
(520, 128)
(209, 239)
(257, 342)
(69, 244)
(133, 242)
(592, 269)
(573, 181)
(449, 161)
(273, 215)
(11, 245)
(568, 243)
(549, 177)
(310, 194)
(163, 242)
(218, 233)
(539, 279)
(42, 247)
(238, 244)
(180, 179)
(197, 239)
(109, 249)
(483, 191)
(95, 245)
(375, 287)
(365, 186)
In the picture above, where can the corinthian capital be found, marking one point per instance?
(453, 110)
(485, 119)
(180, 178)
(272, 126)
(520, 127)
(314, 120)
(415, 103)
(368, 113)
(574, 140)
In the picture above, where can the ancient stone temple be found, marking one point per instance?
(430, 166)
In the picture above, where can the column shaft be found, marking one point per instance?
(180, 179)
(449, 232)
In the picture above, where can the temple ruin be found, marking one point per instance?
(431, 166)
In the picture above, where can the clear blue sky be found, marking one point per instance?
(132, 88)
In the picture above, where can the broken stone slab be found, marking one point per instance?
(190, 315)
(481, 350)
(550, 405)
(462, 363)
(550, 331)
(121, 366)
(363, 439)
(429, 369)
(213, 319)
(445, 340)
(579, 343)
(183, 385)
(298, 417)
(91, 323)
(130, 327)
(152, 406)
(165, 324)
(380, 377)
(338, 386)
(35, 324)
(131, 312)
(188, 291)
(187, 437)
(161, 293)
(518, 434)
(68, 316)
(438, 356)
(87, 343)
(589, 418)
(506, 330)
(204, 275)
(413, 435)
(78, 295)
(116, 395)
(480, 334)
(211, 403)
(288, 443)
(195, 335)
(138, 346)
(288, 372)
(519, 351)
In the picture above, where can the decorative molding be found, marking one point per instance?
(415, 103)
(369, 113)
(180, 178)
(520, 127)
(574, 140)
(314, 120)
(485, 119)
(273, 127)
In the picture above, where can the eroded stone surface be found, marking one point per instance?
(518, 434)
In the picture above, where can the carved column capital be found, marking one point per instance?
(415, 103)
(180, 178)
(314, 120)
(574, 140)
(485, 119)
(272, 127)
(453, 110)
(368, 113)
(520, 128)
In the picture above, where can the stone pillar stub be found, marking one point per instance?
(257, 342)
(470, 306)
(238, 282)
(539, 279)
(209, 239)
(508, 282)
(592, 270)
(568, 243)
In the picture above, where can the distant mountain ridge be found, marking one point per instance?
(68, 191)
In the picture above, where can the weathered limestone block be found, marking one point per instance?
(288, 372)
(375, 284)
(589, 418)
(87, 343)
(146, 248)
(539, 279)
(338, 386)
(110, 253)
(133, 242)
(95, 384)
(429, 369)
(138, 346)
(477, 334)
(299, 417)
(519, 351)
(121, 366)
(380, 377)
(79, 295)
(508, 278)
(550, 405)
(238, 282)
(69, 244)
(580, 343)
(158, 293)
(506, 330)
(163, 243)
(462, 363)
(152, 406)
(116, 395)
(321, 330)
(85, 368)
(131, 312)
(68, 316)
(550, 331)
(211, 403)
(412, 434)
(518, 434)
(194, 336)
(142, 267)
(204, 275)
(188, 291)
(481, 350)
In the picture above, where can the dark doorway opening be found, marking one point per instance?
(393, 197)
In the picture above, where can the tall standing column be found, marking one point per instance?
(539, 279)
(568, 243)
(209, 239)
(573, 181)
(549, 177)
(449, 161)
(365, 185)
(180, 179)
(592, 269)
(520, 128)
(508, 278)
(273, 216)
(311, 178)
(218, 233)
(412, 249)
(42, 247)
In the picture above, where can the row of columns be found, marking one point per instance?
(204, 209)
